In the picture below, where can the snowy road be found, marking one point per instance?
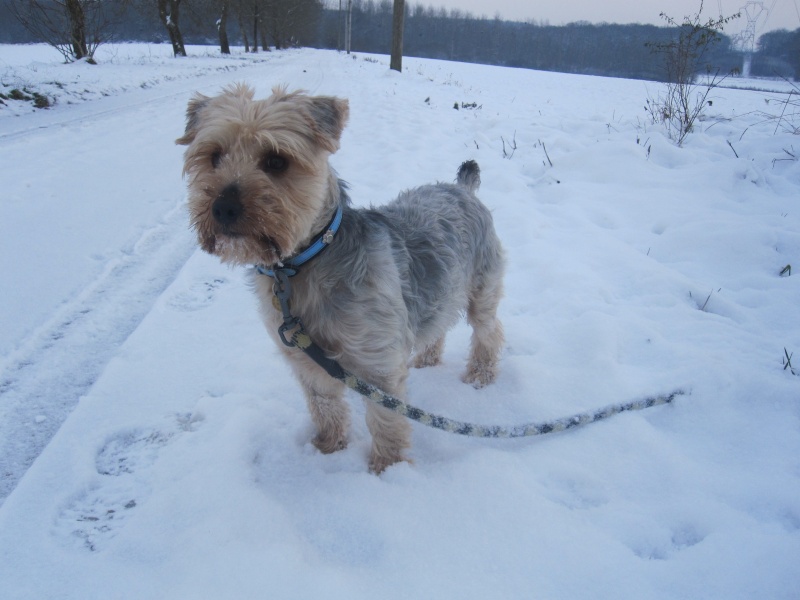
(89, 294)
(94, 197)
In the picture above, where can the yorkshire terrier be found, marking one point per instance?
(390, 282)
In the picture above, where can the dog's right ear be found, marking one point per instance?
(196, 104)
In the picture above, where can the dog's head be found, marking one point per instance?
(258, 170)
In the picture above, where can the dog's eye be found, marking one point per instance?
(274, 163)
(216, 157)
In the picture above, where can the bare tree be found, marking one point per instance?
(222, 27)
(202, 12)
(256, 20)
(348, 26)
(240, 13)
(290, 21)
(169, 13)
(73, 27)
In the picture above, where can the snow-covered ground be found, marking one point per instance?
(173, 447)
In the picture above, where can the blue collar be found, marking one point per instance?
(318, 245)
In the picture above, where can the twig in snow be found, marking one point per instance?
(787, 362)
(745, 131)
(786, 103)
(703, 308)
(792, 157)
(732, 148)
(545, 153)
(512, 146)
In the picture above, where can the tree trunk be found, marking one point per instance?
(339, 29)
(169, 11)
(348, 29)
(398, 16)
(244, 32)
(222, 24)
(255, 26)
(77, 25)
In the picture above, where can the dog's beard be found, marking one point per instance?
(243, 250)
(236, 247)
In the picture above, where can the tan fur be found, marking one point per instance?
(261, 189)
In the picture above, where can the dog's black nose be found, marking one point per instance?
(227, 207)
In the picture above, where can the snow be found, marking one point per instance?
(172, 448)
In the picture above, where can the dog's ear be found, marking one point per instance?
(196, 104)
(329, 116)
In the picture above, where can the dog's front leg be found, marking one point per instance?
(329, 411)
(391, 432)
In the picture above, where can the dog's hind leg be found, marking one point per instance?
(487, 333)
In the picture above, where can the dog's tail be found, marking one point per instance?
(469, 175)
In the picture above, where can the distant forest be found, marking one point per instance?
(604, 49)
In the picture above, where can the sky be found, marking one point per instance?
(784, 13)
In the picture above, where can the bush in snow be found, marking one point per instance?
(685, 57)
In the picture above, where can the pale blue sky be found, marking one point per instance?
(784, 15)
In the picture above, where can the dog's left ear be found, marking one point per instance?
(329, 116)
(196, 104)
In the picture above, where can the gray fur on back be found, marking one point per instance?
(443, 241)
(399, 275)
(428, 248)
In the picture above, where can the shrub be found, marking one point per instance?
(685, 57)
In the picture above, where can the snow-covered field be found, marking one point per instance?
(171, 446)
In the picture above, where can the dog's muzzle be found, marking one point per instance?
(228, 208)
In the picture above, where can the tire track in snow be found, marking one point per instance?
(42, 382)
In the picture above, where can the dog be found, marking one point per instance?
(386, 286)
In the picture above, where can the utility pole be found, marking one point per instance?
(752, 11)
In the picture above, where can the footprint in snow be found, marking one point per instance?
(658, 544)
(94, 516)
(197, 296)
(91, 518)
(128, 451)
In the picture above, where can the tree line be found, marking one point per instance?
(604, 49)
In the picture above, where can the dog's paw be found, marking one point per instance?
(425, 360)
(329, 445)
(479, 375)
(430, 356)
(378, 464)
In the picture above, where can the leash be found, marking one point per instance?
(294, 335)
